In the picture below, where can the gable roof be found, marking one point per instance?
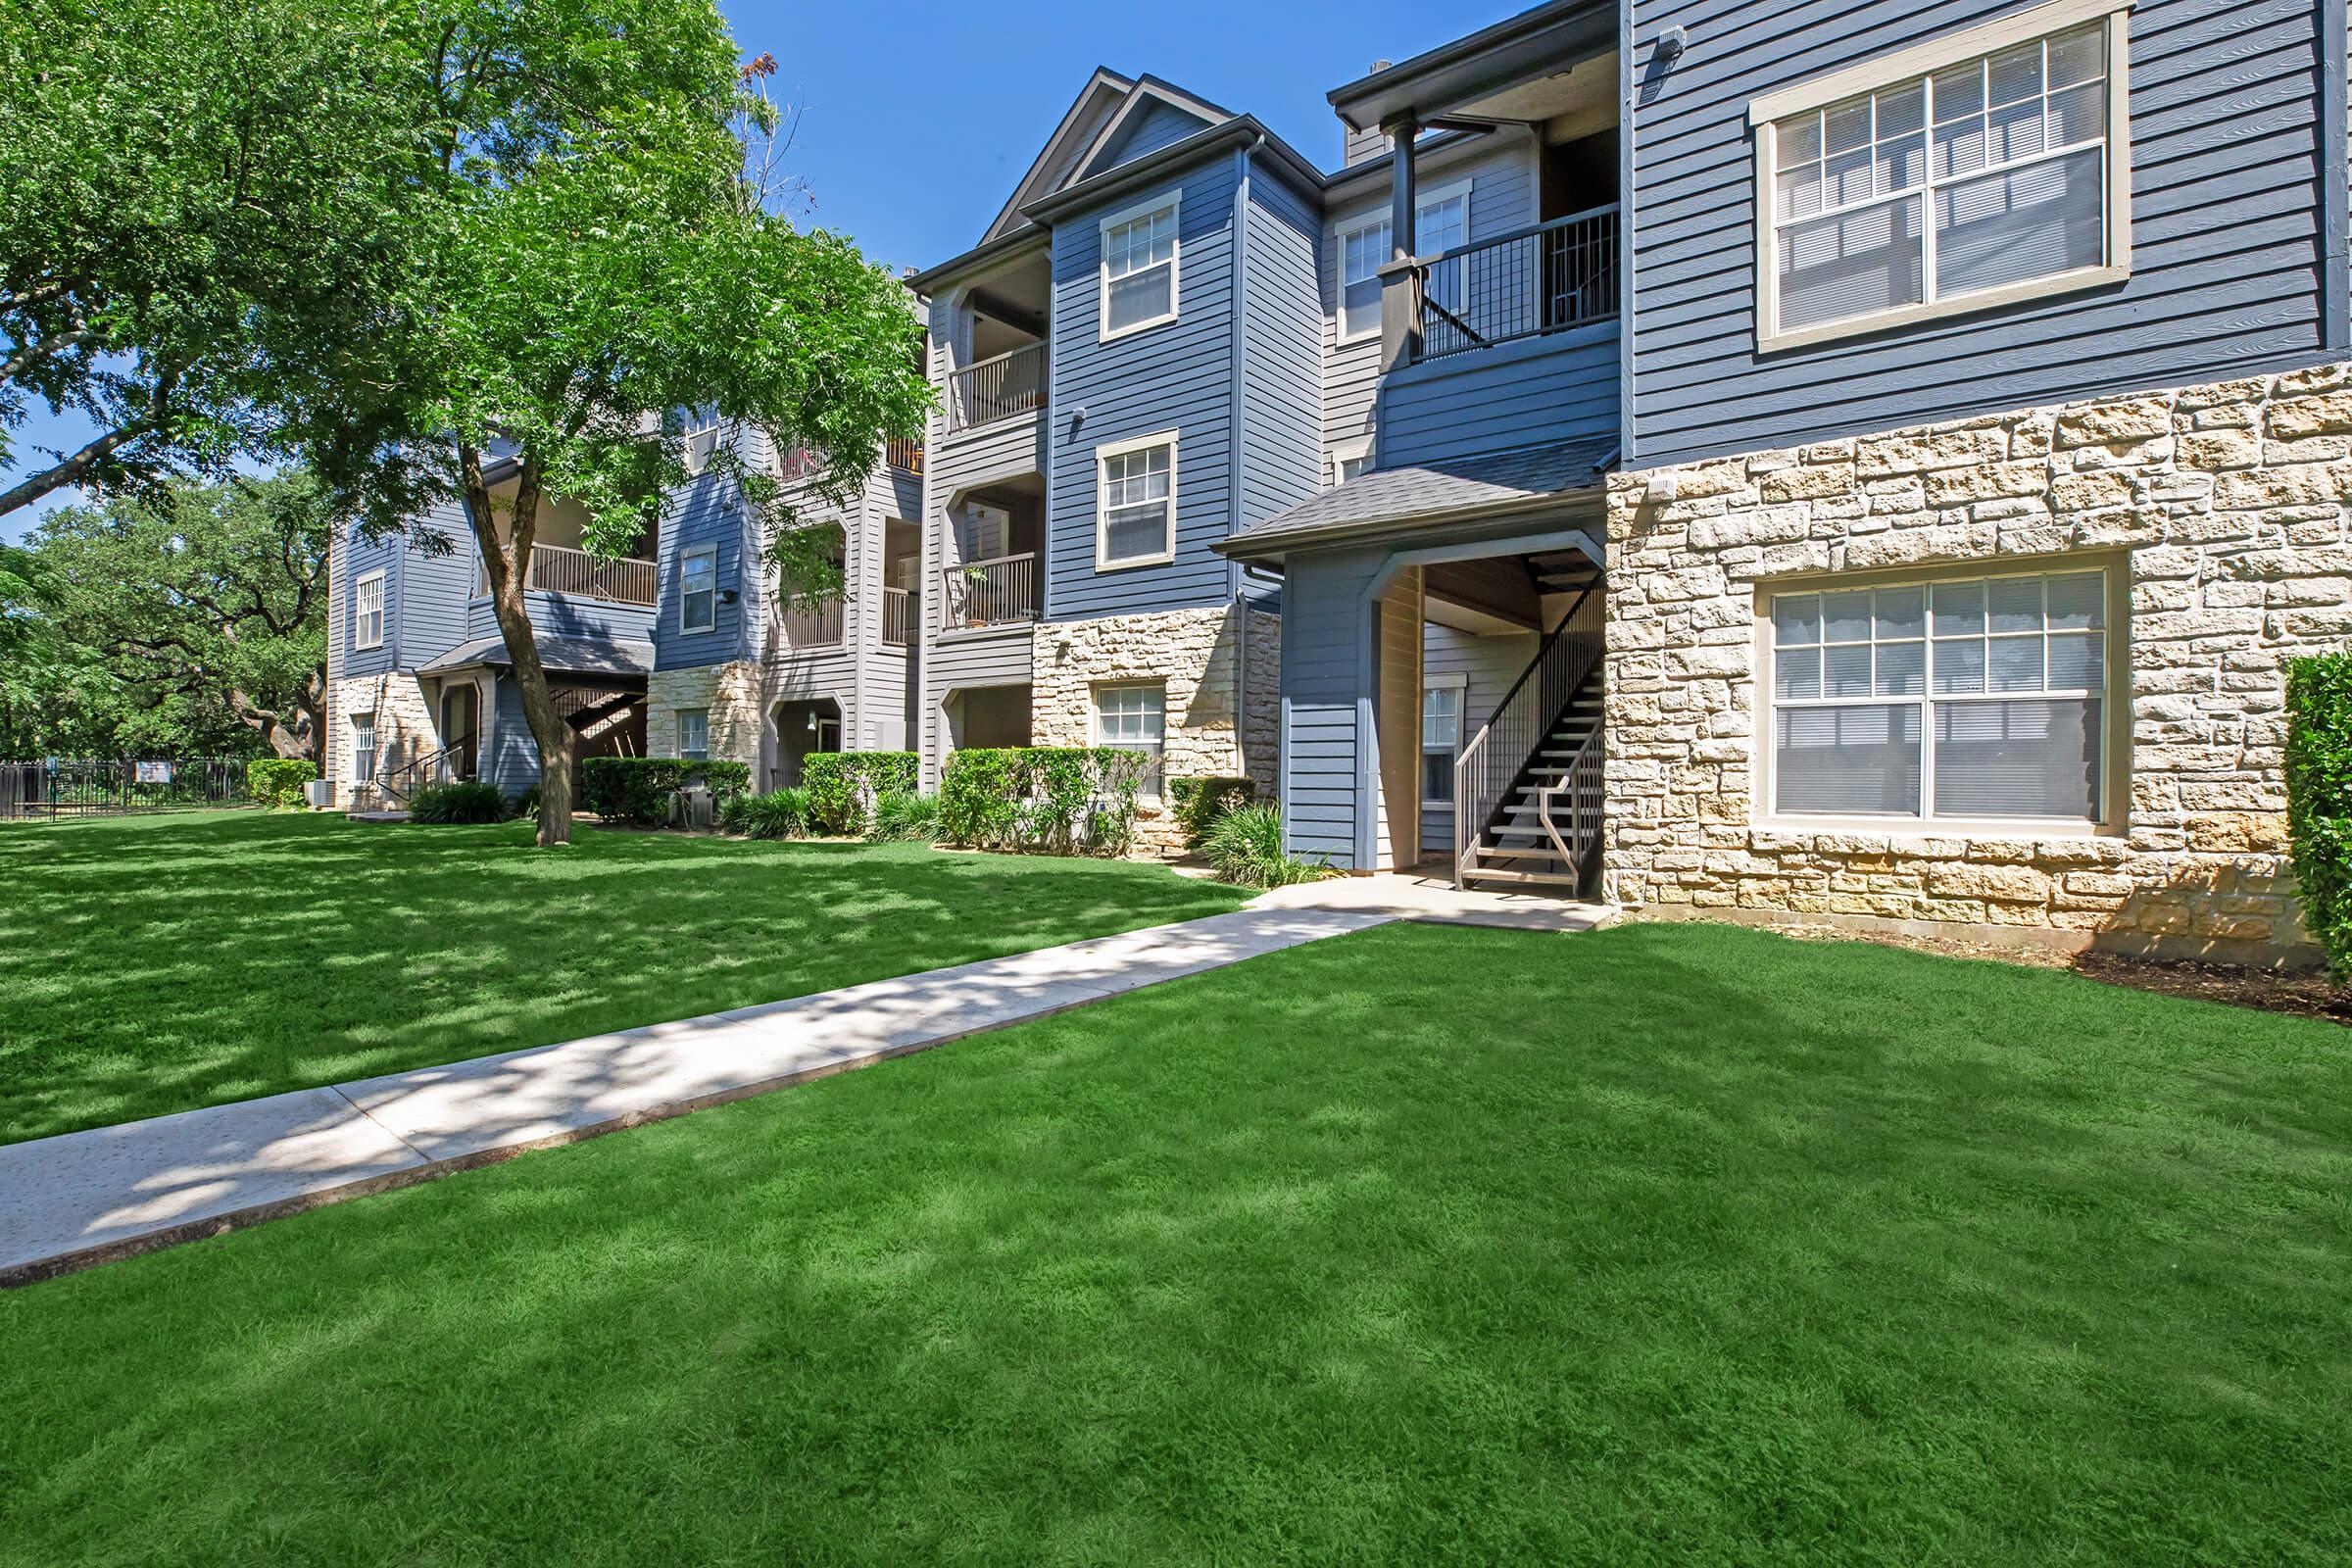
(1151, 95)
(1081, 127)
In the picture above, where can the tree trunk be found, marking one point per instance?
(506, 565)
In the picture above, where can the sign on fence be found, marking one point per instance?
(56, 787)
(155, 773)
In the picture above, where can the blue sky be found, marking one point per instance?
(918, 118)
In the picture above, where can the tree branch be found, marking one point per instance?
(77, 467)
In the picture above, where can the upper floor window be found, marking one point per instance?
(1971, 698)
(1136, 520)
(1441, 224)
(1976, 170)
(1139, 268)
(368, 611)
(701, 427)
(1350, 460)
(698, 590)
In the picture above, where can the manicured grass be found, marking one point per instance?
(1666, 1244)
(154, 965)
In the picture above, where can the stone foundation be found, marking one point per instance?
(1196, 654)
(2225, 507)
(731, 693)
(404, 731)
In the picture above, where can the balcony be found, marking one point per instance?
(796, 630)
(581, 574)
(898, 618)
(1552, 277)
(905, 456)
(1000, 591)
(1007, 386)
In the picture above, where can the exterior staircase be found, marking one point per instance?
(1528, 785)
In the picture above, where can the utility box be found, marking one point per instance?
(694, 809)
(319, 793)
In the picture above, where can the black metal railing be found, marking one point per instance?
(60, 787)
(1547, 279)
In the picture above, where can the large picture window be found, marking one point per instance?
(1972, 698)
(1136, 524)
(1970, 176)
(1139, 268)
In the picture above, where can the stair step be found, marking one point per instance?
(1548, 879)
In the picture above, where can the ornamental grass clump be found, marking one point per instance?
(783, 814)
(903, 816)
(1245, 846)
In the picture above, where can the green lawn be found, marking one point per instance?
(1672, 1245)
(153, 964)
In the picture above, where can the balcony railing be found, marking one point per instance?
(1526, 283)
(904, 455)
(997, 592)
(1006, 387)
(797, 628)
(562, 570)
(898, 618)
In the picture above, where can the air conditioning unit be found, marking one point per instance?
(319, 793)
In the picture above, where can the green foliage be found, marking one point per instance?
(779, 814)
(1246, 847)
(278, 780)
(1200, 802)
(2318, 797)
(463, 803)
(903, 817)
(526, 806)
(637, 790)
(1068, 800)
(843, 786)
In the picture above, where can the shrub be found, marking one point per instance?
(1200, 802)
(2318, 797)
(637, 789)
(1245, 848)
(278, 780)
(527, 804)
(464, 802)
(777, 814)
(843, 786)
(903, 817)
(1066, 800)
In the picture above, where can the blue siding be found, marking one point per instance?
(425, 594)
(709, 514)
(1536, 392)
(1177, 376)
(560, 615)
(2226, 267)
(1281, 382)
(512, 762)
(1156, 124)
(1327, 726)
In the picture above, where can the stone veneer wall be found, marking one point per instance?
(2230, 503)
(730, 691)
(1197, 653)
(404, 728)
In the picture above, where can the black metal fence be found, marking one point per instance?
(1547, 278)
(62, 787)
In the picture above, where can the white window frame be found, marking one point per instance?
(700, 753)
(1171, 201)
(361, 613)
(1119, 449)
(695, 461)
(1373, 218)
(2114, 698)
(1342, 453)
(363, 758)
(1923, 61)
(1155, 765)
(686, 558)
(1458, 683)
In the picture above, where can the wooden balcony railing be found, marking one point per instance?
(898, 618)
(1009, 386)
(795, 628)
(997, 592)
(1531, 281)
(907, 456)
(562, 570)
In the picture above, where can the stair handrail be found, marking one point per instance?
(415, 766)
(1581, 783)
(1495, 757)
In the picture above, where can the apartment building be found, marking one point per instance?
(1868, 463)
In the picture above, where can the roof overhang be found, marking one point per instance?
(1518, 49)
(1243, 130)
(984, 257)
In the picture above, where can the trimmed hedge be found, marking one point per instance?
(278, 780)
(2318, 797)
(461, 802)
(1199, 802)
(1057, 800)
(843, 786)
(637, 789)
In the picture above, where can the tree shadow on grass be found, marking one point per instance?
(1647, 1245)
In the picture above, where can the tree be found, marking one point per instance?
(605, 260)
(205, 607)
(203, 212)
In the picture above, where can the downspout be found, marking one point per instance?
(1233, 466)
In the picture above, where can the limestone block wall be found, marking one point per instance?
(2226, 507)
(1198, 654)
(403, 729)
(731, 693)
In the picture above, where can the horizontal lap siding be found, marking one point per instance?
(2226, 269)
(512, 762)
(1282, 439)
(425, 592)
(1537, 392)
(1177, 376)
(1489, 665)
(709, 512)
(1154, 126)
(562, 615)
(1325, 636)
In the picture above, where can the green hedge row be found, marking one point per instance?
(2318, 797)
(638, 789)
(278, 780)
(1062, 800)
(843, 786)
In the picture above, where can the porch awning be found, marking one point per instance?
(609, 658)
(1392, 500)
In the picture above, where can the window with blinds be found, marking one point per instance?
(1139, 268)
(1975, 699)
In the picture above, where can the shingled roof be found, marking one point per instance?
(1493, 484)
